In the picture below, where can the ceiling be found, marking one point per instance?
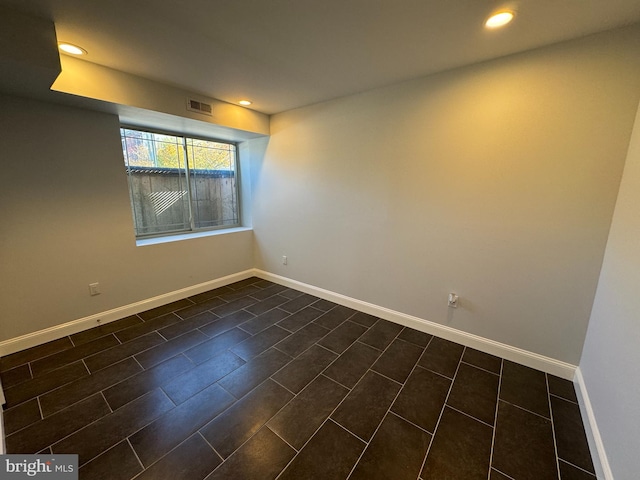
(283, 54)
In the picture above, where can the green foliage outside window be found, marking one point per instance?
(146, 149)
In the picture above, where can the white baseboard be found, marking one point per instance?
(596, 445)
(518, 355)
(524, 357)
(53, 333)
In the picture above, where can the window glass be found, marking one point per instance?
(180, 184)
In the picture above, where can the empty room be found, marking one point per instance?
(320, 240)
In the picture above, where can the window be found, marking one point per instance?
(180, 184)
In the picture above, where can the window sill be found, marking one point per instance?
(188, 236)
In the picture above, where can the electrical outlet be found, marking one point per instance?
(453, 300)
(284, 260)
(94, 289)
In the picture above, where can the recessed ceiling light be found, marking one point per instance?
(71, 49)
(246, 103)
(499, 19)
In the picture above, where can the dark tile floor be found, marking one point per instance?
(258, 381)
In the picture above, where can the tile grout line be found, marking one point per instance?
(524, 409)
(134, 453)
(388, 378)
(88, 395)
(40, 409)
(312, 435)
(38, 358)
(80, 429)
(237, 399)
(206, 325)
(107, 415)
(562, 398)
(302, 352)
(88, 370)
(321, 373)
(373, 435)
(468, 415)
(143, 369)
(335, 353)
(293, 358)
(184, 319)
(300, 309)
(45, 372)
(501, 472)
(278, 383)
(278, 435)
(144, 470)
(366, 443)
(576, 466)
(101, 392)
(116, 346)
(495, 420)
(484, 369)
(136, 431)
(409, 421)
(332, 331)
(105, 401)
(234, 403)
(53, 389)
(210, 446)
(7, 435)
(450, 379)
(304, 388)
(553, 426)
(272, 308)
(169, 339)
(338, 405)
(303, 326)
(37, 397)
(444, 406)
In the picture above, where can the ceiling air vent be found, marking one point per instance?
(199, 107)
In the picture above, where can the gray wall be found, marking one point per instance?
(497, 181)
(66, 222)
(611, 355)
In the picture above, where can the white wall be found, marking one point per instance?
(66, 222)
(497, 181)
(611, 355)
